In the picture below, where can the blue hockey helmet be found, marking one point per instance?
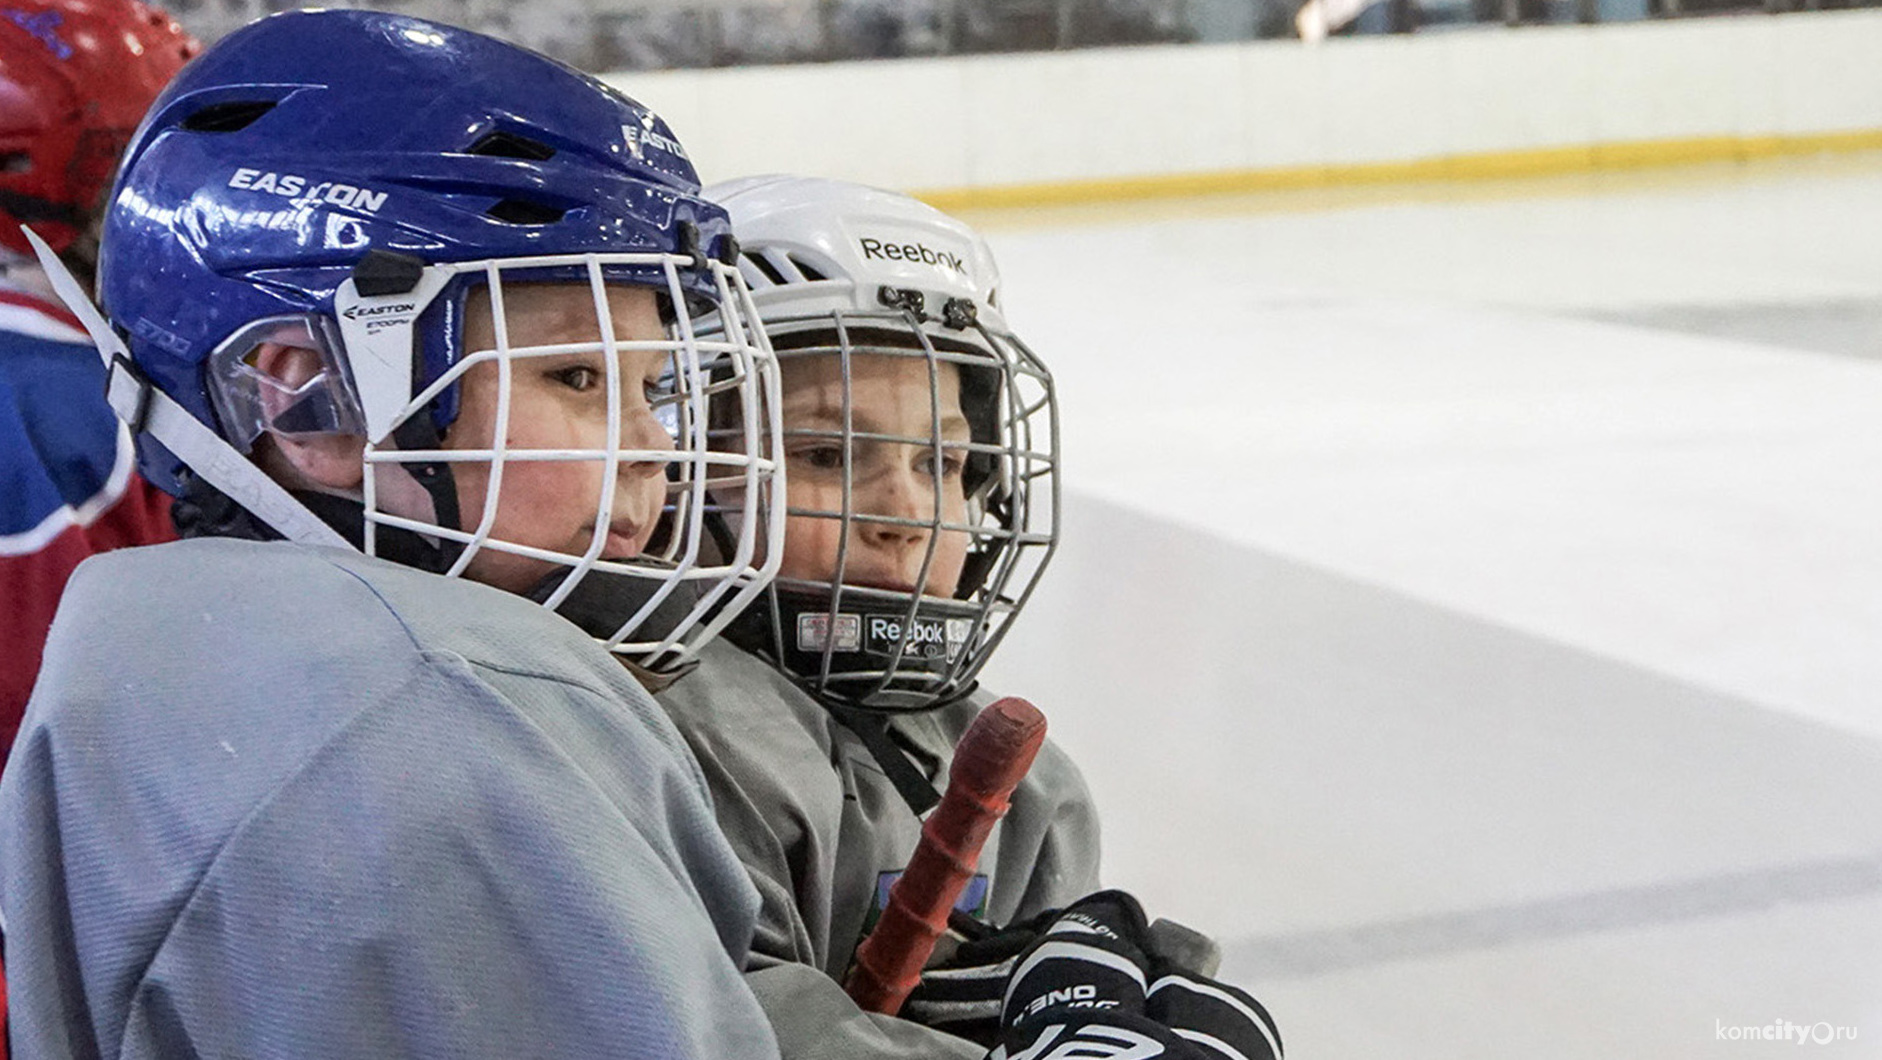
(343, 181)
(305, 142)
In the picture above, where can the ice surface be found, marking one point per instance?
(1470, 602)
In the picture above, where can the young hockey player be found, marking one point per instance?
(75, 77)
(921, 455)
(422, 304)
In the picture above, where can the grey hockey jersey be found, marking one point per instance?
(823, 833)
(280, 801)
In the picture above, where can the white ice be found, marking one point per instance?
(1493, 677)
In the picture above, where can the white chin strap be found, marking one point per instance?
(151, 411)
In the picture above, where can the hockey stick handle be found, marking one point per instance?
(989, 762)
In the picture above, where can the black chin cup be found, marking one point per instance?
(603, 601)
(201, 510)
(795, 630)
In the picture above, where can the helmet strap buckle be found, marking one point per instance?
(127, 390)
(906, 299)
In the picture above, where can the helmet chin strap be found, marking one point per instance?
(217, 464)
(418, 433)
(150, 411)
(874, 730)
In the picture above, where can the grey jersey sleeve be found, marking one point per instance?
(1049, 842)
(819, 827)
(445, 826)
(783, 843)
(497, 904)
(1043, 855)
(816, 1020)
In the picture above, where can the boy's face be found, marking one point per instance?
(889, 396)
(559, 402)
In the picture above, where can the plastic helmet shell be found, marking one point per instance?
(295, 145)
(843, 269)
(76, 76)
(798, 232)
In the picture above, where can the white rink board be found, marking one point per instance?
(989, 121)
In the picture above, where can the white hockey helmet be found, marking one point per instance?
(815, 247)
(846, 272)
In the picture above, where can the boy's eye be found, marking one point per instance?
(578, 377)
(949, 463)
(821, 457)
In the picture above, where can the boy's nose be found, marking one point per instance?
(897, 493)
(640, 429)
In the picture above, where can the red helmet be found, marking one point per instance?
(75, 78)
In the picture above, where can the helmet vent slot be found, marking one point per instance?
(811, 272)
(771, 271)
(228, 117)
(524, 212)
(510, 145)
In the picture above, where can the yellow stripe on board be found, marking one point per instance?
(1495, 165)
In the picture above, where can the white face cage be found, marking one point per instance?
(371, 387)
(863, 645)
(663, 604)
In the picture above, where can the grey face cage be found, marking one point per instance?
(855, 644)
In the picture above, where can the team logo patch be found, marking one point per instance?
(638, 140)
(305, 193)
(380, 317)
(928, 638)
(813, 632)
(892, 250)
(973, 899)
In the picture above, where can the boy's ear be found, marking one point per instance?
(330, 461)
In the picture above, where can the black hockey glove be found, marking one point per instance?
(962, 994)
(1218, 1021)
(1092, 981)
